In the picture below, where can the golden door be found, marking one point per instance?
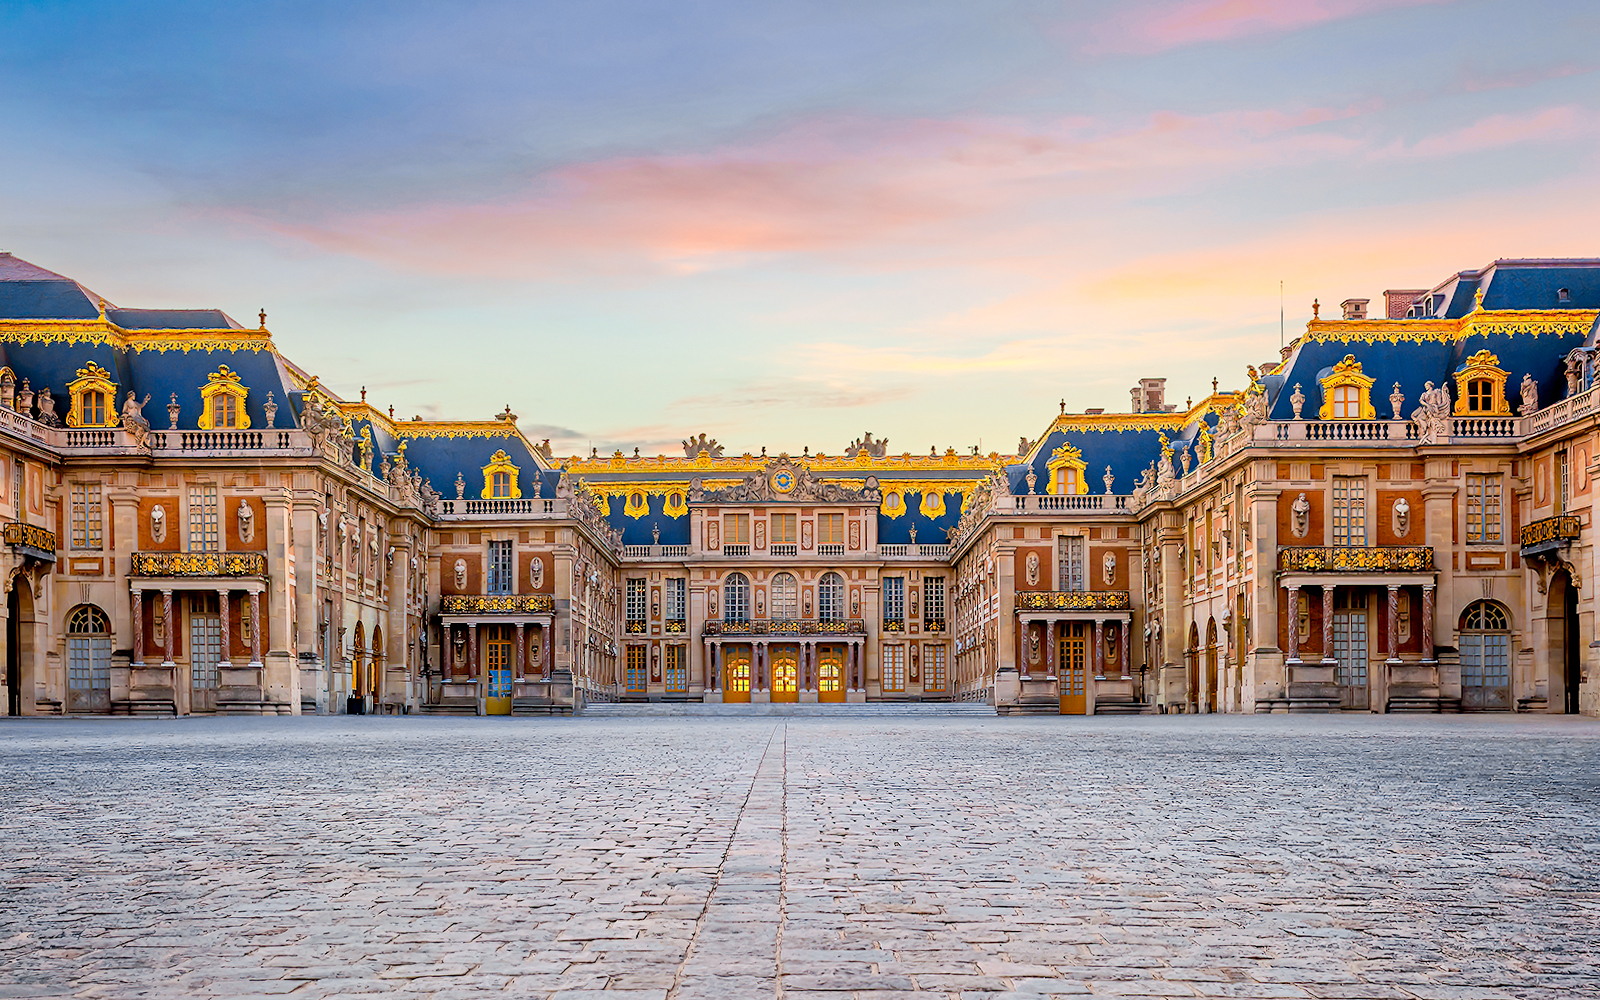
(736, 673)
(1073, 653)
(785, 673)
(830, 673)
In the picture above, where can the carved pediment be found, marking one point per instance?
(784, 481)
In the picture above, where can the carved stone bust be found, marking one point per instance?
(461, 575)
(1032, 569)
(247, 522)
(158, 523)
(1402, 518)
(536, 572)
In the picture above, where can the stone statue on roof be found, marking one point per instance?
(1432, 415)
(866, 445)
(1530, 395)
(695, 447)
(133, 419)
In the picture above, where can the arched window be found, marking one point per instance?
(359, 644)
(736, 598)
(375, 662)
(785, 596)
(88, 649)
(1346, 403)
(830, 597)
(1485, 656)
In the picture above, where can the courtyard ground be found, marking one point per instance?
(655, 859)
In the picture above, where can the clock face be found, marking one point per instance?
(783, 480)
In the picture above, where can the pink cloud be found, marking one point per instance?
(1147, 29)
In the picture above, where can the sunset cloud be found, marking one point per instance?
(1150, 28)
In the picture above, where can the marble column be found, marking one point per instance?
(1294, 624)
(171, 627)
(1327, 622)
(227, 638)
(472, 650)
(1050, 647)
(522, 645)
(1394, 623)
(1427, 624)
(547, 647)
(138, 628)
(1099, 647)
(1122, 630)
(255, 629)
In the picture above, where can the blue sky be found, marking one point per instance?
(785, 224)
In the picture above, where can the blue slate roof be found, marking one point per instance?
(28, 291)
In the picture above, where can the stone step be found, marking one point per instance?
(859, 710)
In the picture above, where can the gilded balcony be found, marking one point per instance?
(635, 626)
(496, 604)
(1549, 533)
(31, 540)
(199, 564)
(1072, 600)
(786, 626)
(1355, 559)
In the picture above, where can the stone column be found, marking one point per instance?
(716, 667)
(1327, 622)
(472, 650)
(227, 639)
(255, 628)
(1394, 623)
(522, 645)
(1427, 624)
(547, 645)
(1024, 654)
(1294, 624)
(1099, 647)
(171, 627)
(1051, 667)
(1127, 668)
(138, 627)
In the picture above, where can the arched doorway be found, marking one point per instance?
(785, 662)
(1485, 645)
(830, 672)
(19, 615)
(88, 660)
(736, 672)
(1211, 665)
(355, 704)
(1191, 659)
(374, 688)
(1573, 671)
(1561, 626)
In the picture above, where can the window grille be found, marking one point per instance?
(203, 518)
(1069, 562)
(675, 599)
(736, 598)
(500, 574)
(86, 516)
(1349, 510)
(1483, 508)
(830, 597)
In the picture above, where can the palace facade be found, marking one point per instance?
(1391, 514)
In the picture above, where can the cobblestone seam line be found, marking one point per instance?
(783, 860)
(732, 951)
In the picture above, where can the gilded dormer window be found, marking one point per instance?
(1481, 387)
(1067, 471)
(222, 402)
(1347, 392)
(94, 398)
(500, 478)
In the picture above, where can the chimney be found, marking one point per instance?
(1398, 301)
(1354, 308)
(1149, 396)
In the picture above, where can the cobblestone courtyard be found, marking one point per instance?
(688, 858)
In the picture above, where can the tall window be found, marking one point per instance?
(500, 485)
(736, 529)
(1349, 510)
(783, 529)
(830, 597)
(224, 410)
(675, 601)
(1069, 562)
(933, 600)
(19, 486)
(88, 649)
(894, 599)
(86, 516)
(676, 673)
(830, 529)
(894, 668)
(1561, 482)
(934, 675)
(638, 677)
(1066, 480)
(202, 518)
(1483, 508)
(1346, 402)
(736, 598)
(499, 577)
(636, 600)
(785, 596)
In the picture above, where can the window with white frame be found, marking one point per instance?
(675, 598)
(635, 609)
(203, 518)
(1483, 508)
(1069, 562)
(86, 516)
(499, 577)
(1349, 510)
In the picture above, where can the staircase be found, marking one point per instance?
(831, 710)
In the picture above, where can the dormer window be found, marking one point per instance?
(1563, 295)
(502, 486)
(224, 411)
(1480, 395)
(1346, 403)
(94, 398)
(1481, 387)
(222, 399)
(94, 408)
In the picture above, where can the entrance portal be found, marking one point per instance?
(1073, 656)
(830, 672)
(785, 673)
(736, 673)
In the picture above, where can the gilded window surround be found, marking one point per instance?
(1067, 457)
(1347, 373)
(222, 382)
(1482, 365)
(92, 378)
(500, 462)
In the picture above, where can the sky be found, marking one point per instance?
(784, 224)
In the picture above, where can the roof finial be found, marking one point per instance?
(1063, 405)
(1188, 402)
(102, 308)
(363, 394)
(263, 318)
(1316, 309)
(1213, 385)
(391, 411)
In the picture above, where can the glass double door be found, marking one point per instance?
(497, 669)
(736, 672)
(785, 673)
(830, 672)
(1072, 668)
(1353, 672)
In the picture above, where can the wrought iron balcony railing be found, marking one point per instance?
(675, 626)
(1551, 531)
(496, 604)
(894, 624)
(636, 626)
(788, 626)
(1355, 559)
(1072, 600)
(30, 536)
(933, 625)
(199, 564)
